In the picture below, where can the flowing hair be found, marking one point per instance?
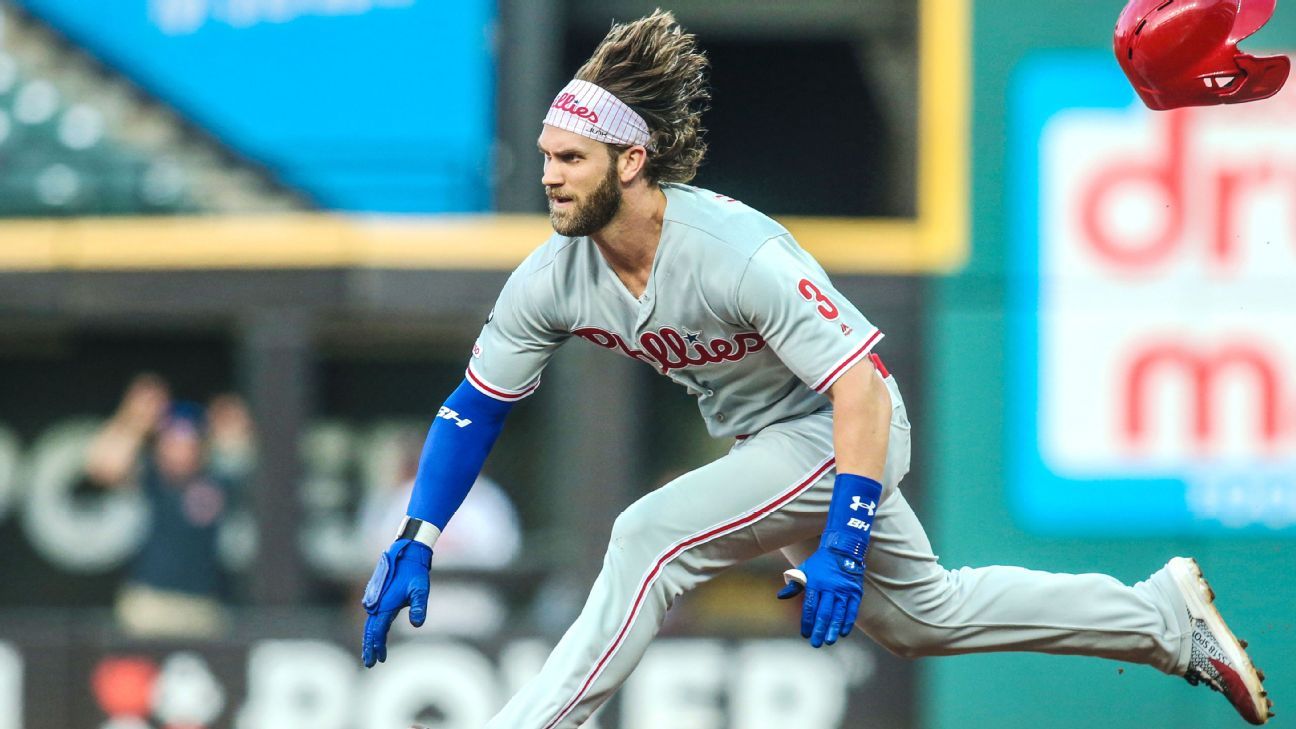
(655, 68)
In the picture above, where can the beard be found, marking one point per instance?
(589, 216)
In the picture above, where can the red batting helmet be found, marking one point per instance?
(1184, 52)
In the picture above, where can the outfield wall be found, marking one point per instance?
(1042, 453)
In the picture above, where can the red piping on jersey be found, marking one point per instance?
(877, 363)
(881, 368)
(669, 555)
(837, 371)
(498, 393)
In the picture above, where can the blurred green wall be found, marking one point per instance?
(967, 513)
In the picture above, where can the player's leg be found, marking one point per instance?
(668, 542)
(914, 607)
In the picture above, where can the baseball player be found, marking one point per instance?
(722, 300)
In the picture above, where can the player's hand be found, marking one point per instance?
(833, 584)
(400, 579)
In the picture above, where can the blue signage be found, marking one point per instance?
(382, 105)
(1151, 385)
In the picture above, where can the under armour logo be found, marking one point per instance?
(857, 504)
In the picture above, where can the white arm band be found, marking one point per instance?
(418, 530)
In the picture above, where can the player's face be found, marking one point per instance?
(581, 182)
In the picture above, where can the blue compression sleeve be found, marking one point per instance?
(457, 444)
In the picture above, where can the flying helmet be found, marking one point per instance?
(1184, 52)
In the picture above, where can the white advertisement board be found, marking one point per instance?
(1154, 305)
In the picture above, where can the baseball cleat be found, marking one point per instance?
(1218, 658)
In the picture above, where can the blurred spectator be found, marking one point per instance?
(485, 535)
(188, 463)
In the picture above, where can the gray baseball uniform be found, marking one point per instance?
(746, 320)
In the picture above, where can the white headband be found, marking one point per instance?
(592, 112)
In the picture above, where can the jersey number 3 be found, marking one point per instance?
(810, 292)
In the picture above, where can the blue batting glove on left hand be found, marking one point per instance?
(833, 577)
(400, 579)
(834, 585)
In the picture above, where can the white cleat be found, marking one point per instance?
(1218, 658)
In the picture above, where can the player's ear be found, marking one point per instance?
(631, 162)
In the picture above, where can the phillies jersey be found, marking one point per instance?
(734, 310)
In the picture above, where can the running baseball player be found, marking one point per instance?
(722, 300)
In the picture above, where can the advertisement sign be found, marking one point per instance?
(1153, 381)
(381, 105)
(319, 683)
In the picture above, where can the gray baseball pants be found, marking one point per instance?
(772, 492)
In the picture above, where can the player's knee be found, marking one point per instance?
(633, 532)
(916, 620)
(914, 641)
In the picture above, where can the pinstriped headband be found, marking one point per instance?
(591, 111)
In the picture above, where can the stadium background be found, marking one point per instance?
(314, 203)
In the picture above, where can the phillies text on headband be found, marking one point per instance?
(591, 111)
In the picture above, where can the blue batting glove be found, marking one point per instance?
(833, 584)
(833, 577)
(400, 579)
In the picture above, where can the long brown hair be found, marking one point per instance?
(653, 66)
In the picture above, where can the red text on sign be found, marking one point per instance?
(1205, 371)
(1195, 191)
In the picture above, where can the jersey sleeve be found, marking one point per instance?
(787, 297)
(516, 342)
